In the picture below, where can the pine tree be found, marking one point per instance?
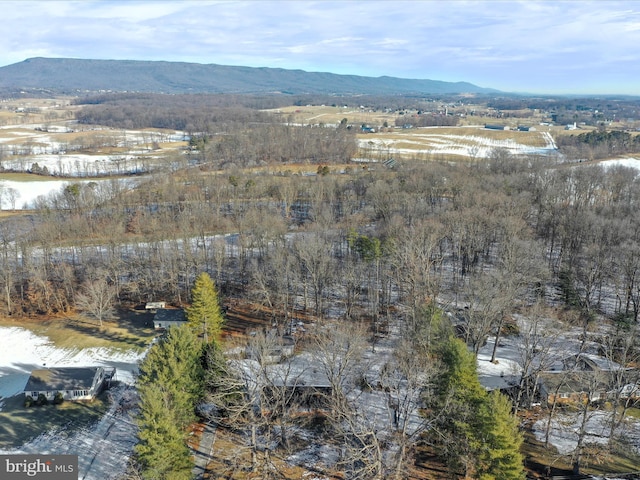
(478, 431)
(204, 314)
(170, 384)
(162, 450)
(501, 457)
(175, 363)
(461, 397)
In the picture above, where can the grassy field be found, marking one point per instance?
(448, 143)
(26, 177)
(423, 137)
(132, 330)
(333, 115)
(19, 424)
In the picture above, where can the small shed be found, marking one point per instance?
(154, 306)
(169, 317)
(74, 383)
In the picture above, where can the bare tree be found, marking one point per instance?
(538, 337)
(407, 379)
(97, 297)
(338, 350)
(620, 347)
(314, 253)
(415, 261)
(260, 395)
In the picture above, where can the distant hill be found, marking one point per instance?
(66, 75)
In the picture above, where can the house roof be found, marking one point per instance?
(575, 381)
(299, 371)
(164, 315)
(67, 378)
(586, 362)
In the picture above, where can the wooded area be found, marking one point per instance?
(433, 249)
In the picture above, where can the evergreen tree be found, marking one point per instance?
(162, 450)
(204, 314)
(500, 457)
(175, 363)
(477, 431)
(460, 399)
(170, 384)
(459, 380)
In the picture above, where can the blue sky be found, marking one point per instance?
(520, 46)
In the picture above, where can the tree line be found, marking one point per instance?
(598, 144)
(579, 223)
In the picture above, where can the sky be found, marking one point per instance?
(530, 46)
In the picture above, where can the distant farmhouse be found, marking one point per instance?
(168, 317)
(74, 383)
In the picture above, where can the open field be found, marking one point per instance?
(328, 115)
(453, 143)
(132, 330)
(102, 432)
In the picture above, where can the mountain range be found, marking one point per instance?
(71, 76)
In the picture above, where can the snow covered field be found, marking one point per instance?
(15, 195)
(104, 447)
(624, 162)
(24, 146)
(429, 142)
(82, 165)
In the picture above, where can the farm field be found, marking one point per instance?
(453, 143)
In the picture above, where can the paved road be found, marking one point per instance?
(205, 450)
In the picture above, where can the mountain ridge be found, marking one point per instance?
(69, 75)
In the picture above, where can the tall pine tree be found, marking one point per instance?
(500, 457)
(162, 450)
(460, 399)
(204, 314)
(478, 432)
(170, 384)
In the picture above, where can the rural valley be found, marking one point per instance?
(365, 287)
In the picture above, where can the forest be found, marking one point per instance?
(428, 250)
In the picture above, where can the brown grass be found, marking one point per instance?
(231, 457)
(131, 330)
(333, 115)
(26, 177)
